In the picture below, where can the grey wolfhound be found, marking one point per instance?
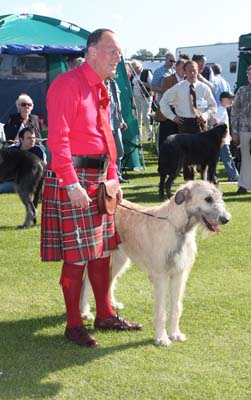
(162, 241)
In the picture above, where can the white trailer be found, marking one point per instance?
(225, 54)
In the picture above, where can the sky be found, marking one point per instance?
(149, 24)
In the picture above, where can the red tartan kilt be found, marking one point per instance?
(73, 234)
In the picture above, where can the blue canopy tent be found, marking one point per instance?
(33, 51)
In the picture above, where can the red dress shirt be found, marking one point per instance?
(73, 123)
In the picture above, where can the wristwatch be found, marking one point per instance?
(73, 186)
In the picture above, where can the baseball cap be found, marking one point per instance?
(226, 95)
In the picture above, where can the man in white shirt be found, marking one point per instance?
(191, 115)
(179, 97)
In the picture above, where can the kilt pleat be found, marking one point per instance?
(73, 234)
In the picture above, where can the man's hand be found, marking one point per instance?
(236, 140)
(123, 126)
(201, 78)
(178, 120)
(79, 198)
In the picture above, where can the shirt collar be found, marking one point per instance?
(178, 77)
(91, 76)
(189, 83)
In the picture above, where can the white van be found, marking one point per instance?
(225, 54)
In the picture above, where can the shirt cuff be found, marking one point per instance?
(67, 178)
(112, 172)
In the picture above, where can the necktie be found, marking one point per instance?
(104, 121)
(193, 95)
(194, 105)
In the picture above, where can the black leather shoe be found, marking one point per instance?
(80, 336)
(116, 323)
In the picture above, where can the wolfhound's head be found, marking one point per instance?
(203, 204)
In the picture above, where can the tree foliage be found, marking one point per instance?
(162, 52)
(144, 54)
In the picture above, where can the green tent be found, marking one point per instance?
(33, 51)
(244, 59)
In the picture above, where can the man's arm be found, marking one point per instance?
(156, 82)
(168, 100)
(210, 83)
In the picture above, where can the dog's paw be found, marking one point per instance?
(117, 305)
(162, 341)
(177, 337)
(22, 226)
(87, 315)
(86, 312)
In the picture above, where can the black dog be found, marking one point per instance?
(26, 169)
(190, 149)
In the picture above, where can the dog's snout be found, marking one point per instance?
(224, 220)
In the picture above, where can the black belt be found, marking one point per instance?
(99, 162)
(189, 119)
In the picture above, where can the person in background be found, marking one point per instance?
(222, 84)
(73, 61)
(117, 123)
(162, 72)
(206, 74)
(166, 126)
(241, 132)
(184, 56)
(129, 71)
(179, 97)
(23, 118)
(141, 87)
(83, 154)
(221, 116)
(27, 141)
(190, 119)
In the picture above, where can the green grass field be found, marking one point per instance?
(36, 362)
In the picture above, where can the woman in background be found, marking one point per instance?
(22, 119)
(241, 132)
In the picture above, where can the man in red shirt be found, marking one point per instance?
(82, 156)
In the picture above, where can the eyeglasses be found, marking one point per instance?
(26, 104)
(172, 61)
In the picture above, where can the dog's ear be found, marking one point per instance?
(181, 196)
(222, 128)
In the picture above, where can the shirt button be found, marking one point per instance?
(61, 180)
(101, 106)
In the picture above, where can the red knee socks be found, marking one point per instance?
(71, 281)
(99, 275)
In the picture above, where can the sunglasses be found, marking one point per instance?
(172, 61)
(26, 104)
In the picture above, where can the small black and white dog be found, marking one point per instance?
(26, 170)
(190, 149)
